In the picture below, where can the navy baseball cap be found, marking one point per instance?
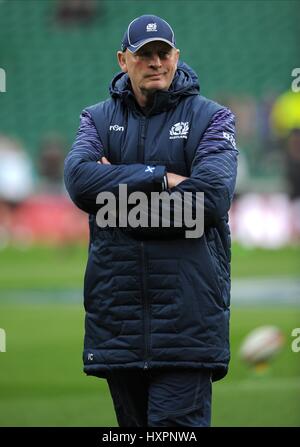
(144, 29)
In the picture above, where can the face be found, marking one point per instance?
(150, 68)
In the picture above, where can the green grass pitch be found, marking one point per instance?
(41, 378)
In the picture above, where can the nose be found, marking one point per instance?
(154, 61)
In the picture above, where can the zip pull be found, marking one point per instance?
(146, 365)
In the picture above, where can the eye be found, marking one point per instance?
(164, 54)
(144, 54)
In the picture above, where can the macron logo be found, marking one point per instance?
(116, 127)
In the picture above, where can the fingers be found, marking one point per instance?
(174, 179)
(103, 161)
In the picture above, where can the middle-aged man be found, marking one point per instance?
(156, 301)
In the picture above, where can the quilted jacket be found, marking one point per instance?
(164, 300)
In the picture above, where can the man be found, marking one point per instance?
(157, 302)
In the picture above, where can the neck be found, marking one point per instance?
(144, 98)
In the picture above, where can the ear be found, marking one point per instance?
(175, 56)
(122, 61)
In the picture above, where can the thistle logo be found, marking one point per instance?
(151, 27)
(2, 80)
(179, 130)
(2, 340)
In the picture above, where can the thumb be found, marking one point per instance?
(105, 161)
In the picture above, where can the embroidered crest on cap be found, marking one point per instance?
(151, 27)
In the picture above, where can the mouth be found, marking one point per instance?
(155, 75)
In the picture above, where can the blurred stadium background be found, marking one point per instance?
(59, 56)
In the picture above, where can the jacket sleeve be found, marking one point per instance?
(214, 167)
(85, 178)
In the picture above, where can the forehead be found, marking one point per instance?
(156, 45)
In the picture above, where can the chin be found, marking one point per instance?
(156, 85)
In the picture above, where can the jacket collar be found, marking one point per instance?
(185, 83)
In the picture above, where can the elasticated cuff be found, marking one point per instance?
(158, 174)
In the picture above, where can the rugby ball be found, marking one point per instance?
(261, 344)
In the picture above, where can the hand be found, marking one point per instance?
(174, 179)
(103, 161)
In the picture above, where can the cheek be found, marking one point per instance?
(172, 69)
(136, 69)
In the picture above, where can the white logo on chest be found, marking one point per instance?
(179, 130)
(116, 127)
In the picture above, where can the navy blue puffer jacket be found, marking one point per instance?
(159, 301)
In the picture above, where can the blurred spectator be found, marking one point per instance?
(16, 175)
(292, 155)
(262, 220)
(285, 114)
(50, 164)
(16, 182)
(285, 122)
(81, 12)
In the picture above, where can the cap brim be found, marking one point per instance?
(136, 47)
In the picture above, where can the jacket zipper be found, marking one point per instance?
(146, 309)
(142, 136)
(141, 158)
